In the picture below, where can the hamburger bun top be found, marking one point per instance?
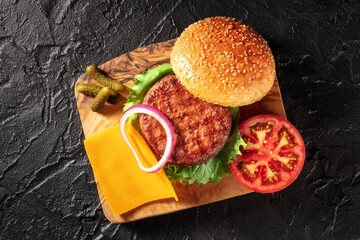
(224, 62)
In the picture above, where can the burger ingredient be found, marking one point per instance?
(101, 78)
(230, 58)
(217, 167)
(92, 90)
(143, 82)
(123, 184)
(159, 116)
(273, 157)
(211, 171)
(201, 128)
(100, 99)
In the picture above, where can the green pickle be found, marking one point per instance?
(101, 78)
(100, 99)
(92, 90)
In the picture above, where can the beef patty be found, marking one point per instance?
(201, 128)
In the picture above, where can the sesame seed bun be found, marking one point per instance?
(224, 62)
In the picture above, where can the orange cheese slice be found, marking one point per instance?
(124, 185)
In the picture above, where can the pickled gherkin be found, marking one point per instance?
(101, 78)
(100, 99)
(92, 90)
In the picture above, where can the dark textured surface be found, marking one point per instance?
(47, 189)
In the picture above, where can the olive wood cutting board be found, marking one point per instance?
(123, 69)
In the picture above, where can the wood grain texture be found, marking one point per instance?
(123, 69)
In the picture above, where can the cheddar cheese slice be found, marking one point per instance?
(124, 185)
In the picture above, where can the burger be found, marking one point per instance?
(217, 65)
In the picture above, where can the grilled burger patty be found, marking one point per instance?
(201, 128)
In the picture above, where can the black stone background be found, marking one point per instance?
(47, 188)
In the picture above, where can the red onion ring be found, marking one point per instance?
(155, 113)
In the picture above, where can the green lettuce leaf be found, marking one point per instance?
(211, 171)
(143, 82)
(217, 167)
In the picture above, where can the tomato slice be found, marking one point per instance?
(273, 157)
